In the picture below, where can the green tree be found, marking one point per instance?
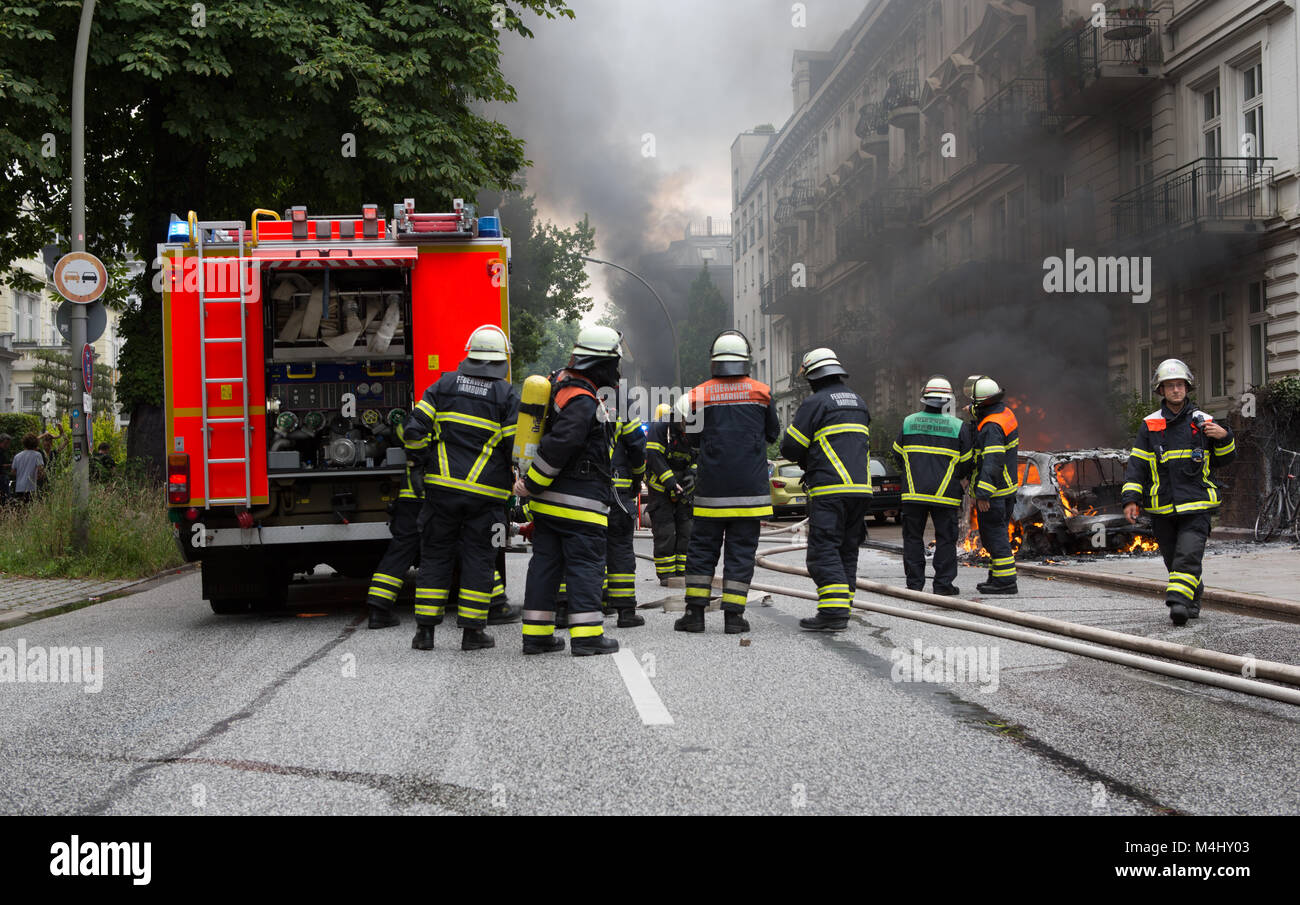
(53, 373)
(241, 104)
(553, 350)
(706, 316)
(547, 274)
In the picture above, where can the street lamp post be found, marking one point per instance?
(677, 361)
(77, 321)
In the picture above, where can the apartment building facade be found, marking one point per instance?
(942, 153)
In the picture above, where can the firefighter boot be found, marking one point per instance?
(542, 644)
(1178, 613)
(1194, 608)
(734, 623)
(628, 618)
(476, 639)
(423, 639)
(382, 618)
(503, 613)
(988, 587)
(595, 644)
(824, 622)
(693, 621)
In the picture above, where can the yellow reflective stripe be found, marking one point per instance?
(1131, 486)
(743, 512)
(822, 589)
(479, 596)
(538, 478)
(731, 597)
(424, 406)
(798, 435)
(1186, 592)
(993, 447)
(834, 459)
(564, 512)
(538, 629)
(936, 450)
(486, 453)
(1005, 491)
(830, 489)
(468, 486)
(1170, 454)
(418, 444)
(1193, 507)
(443, 467)
(387, 579)
(422, 609)
(1224, 450)
(586, 631)
(431, 593)
(656, 447)
(470, 420)
(470, 612)
(385, 593)
(850, 428)
(1143, 454)
(622, 482)
(927, 498)
(985, 485)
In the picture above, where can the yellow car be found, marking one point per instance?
(788, 495)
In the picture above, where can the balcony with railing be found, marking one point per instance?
(784, 217)
(1212, 194)
(1091, 68)
(803, 197)
(873, 128)
(1015, 126)
(780, 296)
(902, 101)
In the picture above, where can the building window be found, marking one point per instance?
(25, 318)
(1252, 112)
(27, 400)
(1257, 325)
(1217, 317)
(762, 336)
(1211, 133)
(1137, 155)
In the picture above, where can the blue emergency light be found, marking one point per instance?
(489, 228)
(178, 230)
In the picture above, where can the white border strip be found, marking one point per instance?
(648, 703)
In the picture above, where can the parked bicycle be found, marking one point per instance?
(1281, 510)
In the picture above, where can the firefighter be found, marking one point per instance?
(994, 479)
(627, 466)
(935, 451)
(461, 433)
(1168, 474)
(670, 461)
(570, 492)
(403, 549)
(829, 441)
(730, 420)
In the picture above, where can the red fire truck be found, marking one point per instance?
(294, 349)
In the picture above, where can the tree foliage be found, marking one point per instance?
(53, 373)
(236, 104)
(706, 316)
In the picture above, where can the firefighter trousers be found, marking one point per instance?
(1182, 545)
(401, 554)
(572, 552)
(837, 525)
(457, 526)
(708, 537)
(945, 545)
(671, 524)
(620, 556)
(992, 526)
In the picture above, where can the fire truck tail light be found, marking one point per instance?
(370, 221)
(178, 477)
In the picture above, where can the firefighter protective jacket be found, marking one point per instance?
(936, 451)
(997, 437)
(413, 483)
(628, 462)
(829, 440)
(570, 475)
(1169, 468)
(669, 456)
(732, 421)
(461, 434)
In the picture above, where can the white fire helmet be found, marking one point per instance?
(488, 343)
(1172, 369)
(730, 354)
(937, 391)
(821, 363)
(594, 345)
(980, 388)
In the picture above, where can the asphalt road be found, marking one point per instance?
(309, 712)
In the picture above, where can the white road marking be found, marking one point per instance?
(647, 700)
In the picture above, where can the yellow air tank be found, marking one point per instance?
(533, 402)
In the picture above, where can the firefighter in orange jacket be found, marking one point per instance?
(994, 480)
(570, 491)
(731, 419)
(461, 432)
(1169, 472)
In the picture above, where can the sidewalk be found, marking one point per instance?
(21, 598)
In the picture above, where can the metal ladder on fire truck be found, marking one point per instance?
(246, 425)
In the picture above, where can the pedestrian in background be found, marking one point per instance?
(5, 458)
(28, 469)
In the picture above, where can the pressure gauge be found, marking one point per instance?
(363, 389)
(370, 417)
(313, 421)
(286, 422)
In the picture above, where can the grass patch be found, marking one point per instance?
(129, 534)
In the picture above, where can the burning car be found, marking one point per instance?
(1069, 502)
